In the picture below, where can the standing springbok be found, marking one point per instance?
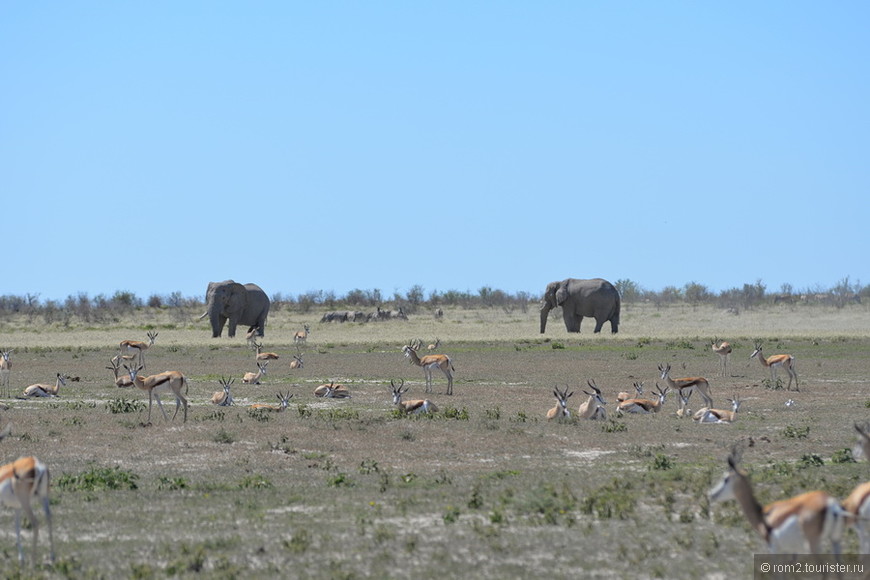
(138, 347)
(302, 335)
(723, 349)
(593, 407)
(560, 411)
(644, 406)
(45, 390)
(791, 526)
(162, 382)
(280, 408)
(687, 384)
(251, 336)
(5, 369)
(429, 363)
(254, 378)
(707, 415)
(223, 398)
(21, 481)
(410, 407)
(772, 362)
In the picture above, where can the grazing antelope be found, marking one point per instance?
(593, 407)
(138, 347)
(264, 355)
(434, 345)
(560, 411)
(644, 406)
(5, 369)
(302, 335)
(223, 398)
(254, 378)
(410, 407)
(296, 363)
(772, 362)
(285, 400)
(687, 384)
(625, 395)
(723, 349)
(162, 382)
(120, 381)
(789, 526)
(21, 481)
(332, 391)
(707, 415)
(44, 390)
(429, 363)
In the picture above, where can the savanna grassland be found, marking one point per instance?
(486, 488)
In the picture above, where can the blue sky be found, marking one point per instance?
(154, 146)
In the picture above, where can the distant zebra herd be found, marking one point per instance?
(351, 316)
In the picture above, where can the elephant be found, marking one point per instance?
(237, 303)
(596, 298)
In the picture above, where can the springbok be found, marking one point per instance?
(593, 407)
(723, 349)
(5, 369)
(332, 391)
(45, 390)
(410, 407)
(707, 415)
(162, 382)
(254, 378)
(224, 398)
(687, 384)
(434, 345)
(625, 395)
(251, 336)
(560, 410)
(863, 446)
(138, 347)
(21, 481)
(772, 362)
(790, 526)
(684, 410)
(280, 408)
(644, 406)
(120, 381)
(264, 355)
(296, 363)
(429, 363)
(302, 335)
(857, 505)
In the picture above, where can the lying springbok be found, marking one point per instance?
(625, 395)
(644, 406)
(560, 411)
(296, 363)
(332, 391)
(684, 410)
(285, 399)
(22, 481)
(790, 526)
(410, 407)
(223, 398)
(707, 415)
(857, 505)
(45, 390)
(593, 407)
(264, 356)
(254, 378)
(121, 381)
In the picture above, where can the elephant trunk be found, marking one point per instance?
(545, 312)
(217, 322)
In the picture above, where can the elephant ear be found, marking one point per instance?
(561, 294)
(238, 296)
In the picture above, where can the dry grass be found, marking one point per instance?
(487, 489)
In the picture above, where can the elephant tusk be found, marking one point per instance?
(203, 315)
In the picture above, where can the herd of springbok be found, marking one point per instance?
(803, 523)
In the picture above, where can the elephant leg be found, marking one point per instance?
(572, 321)
(231, 328)
(598, 325)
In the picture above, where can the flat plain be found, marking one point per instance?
(486, 488)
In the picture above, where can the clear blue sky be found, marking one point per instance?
(154, 146)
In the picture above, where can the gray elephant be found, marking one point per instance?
(595, 298)
(237, 303)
